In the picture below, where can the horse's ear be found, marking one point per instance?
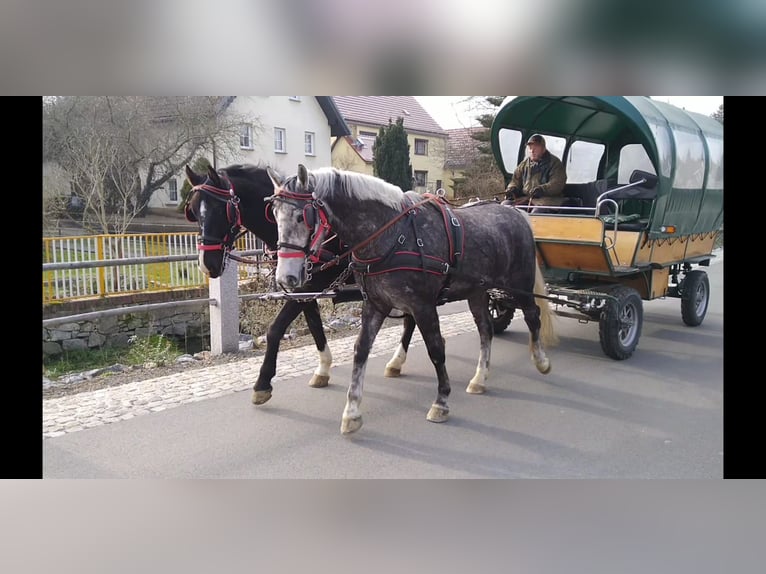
(194, 178)
(213, 175)
(303, 176)
(276, 179)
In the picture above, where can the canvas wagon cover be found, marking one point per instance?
(685, 148)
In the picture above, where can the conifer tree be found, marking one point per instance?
(392, 155)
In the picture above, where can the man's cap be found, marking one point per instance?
(536, 138)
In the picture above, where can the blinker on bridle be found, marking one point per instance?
(233, 217)
(314, 217)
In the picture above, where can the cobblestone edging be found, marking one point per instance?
(90, 409)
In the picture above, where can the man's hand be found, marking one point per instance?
(510, 193)
(536, 192)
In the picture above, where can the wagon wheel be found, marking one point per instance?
(695, 295)
(620, 323)
(501, 314)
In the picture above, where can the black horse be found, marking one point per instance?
(411, 252)
(229, 201)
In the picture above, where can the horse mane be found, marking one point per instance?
(251, 177)
(246, 170)
(333, 182)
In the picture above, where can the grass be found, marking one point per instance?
(155, 349)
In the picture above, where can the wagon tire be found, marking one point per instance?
(695, 296)
(620, 323)
(501, 314)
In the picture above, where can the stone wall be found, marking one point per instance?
(181, 323)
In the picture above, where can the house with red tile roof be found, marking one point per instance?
(462, 151)
(365, 115)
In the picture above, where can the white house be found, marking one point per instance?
(284, 131)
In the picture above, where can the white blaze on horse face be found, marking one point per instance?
(292, 231)
(201, 218)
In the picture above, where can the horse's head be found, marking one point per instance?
(301, 224)
(214, 206)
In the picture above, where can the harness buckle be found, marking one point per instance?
(401, 239)
(446, 268)
(420, 242)
(455, 221)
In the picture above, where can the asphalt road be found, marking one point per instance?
(658, 414)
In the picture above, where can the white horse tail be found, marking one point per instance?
(548, 334)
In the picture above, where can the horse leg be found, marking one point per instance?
(532, 319)
(479, 306)
(372, 319)
(394, 366)
(262, 389)
(427, 320)
(321, 377)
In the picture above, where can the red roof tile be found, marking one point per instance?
(377, 110)
(461, 147)
(363, 146)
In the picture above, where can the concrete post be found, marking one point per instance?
(224, 316)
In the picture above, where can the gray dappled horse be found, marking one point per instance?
(413, 252)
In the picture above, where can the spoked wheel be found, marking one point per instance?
(620, 323)
(501, 314)
(695, 295)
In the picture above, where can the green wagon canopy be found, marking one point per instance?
(685, 149)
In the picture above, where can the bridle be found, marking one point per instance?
(315, 219)
(314, 211)
(233, 216)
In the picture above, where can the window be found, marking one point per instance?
(173, 190)
(632, 156)
(421, 147)
(420, 178)
(368, 134)
(294, 98)
(279, 140)
(582, 160)
(308, 142)
(246, 137)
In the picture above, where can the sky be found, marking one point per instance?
(453, 112)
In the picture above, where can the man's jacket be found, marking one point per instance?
(547, 173)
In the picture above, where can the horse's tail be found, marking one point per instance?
(548, 335)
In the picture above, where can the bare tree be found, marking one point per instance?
(718, 114)
(119, 150)
(482, 178)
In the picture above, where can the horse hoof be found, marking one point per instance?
(544, 366)
(437, 414)
(392, 372)
(476, 389)
(348, 426)
(260, 397)
(319, 381)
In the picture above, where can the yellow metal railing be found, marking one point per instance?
(73, 282)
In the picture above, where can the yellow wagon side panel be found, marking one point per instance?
(625, 248)
(574, 257)
(582, 229)
(650, 285)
